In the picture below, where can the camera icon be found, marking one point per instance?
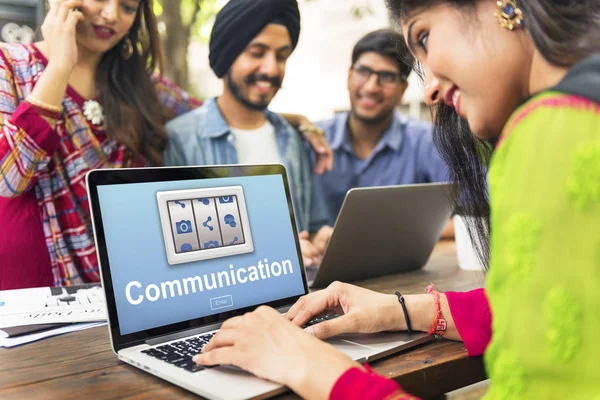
(211, 244)
(184, 226)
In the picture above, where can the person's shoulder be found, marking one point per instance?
(17, 49)
(413, 126)
(277, 118)
(280, 124)
(330, 123)
(295, 141)
(184, 123)
(551, 129)
(334, 124)
(16, 52)
(550, 113)
(415, 132)
(162, 84)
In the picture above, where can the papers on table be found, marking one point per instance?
(27, 315)
(22, 330)
(32, 337)
(51, 305)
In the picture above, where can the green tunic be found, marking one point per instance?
(544, 279)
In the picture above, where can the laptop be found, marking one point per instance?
(384, 230)
(183, 249)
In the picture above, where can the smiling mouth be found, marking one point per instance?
(449, 95)
(368, 101)
(264, 87)
(452, 98)
(104, 32)
(455, 97)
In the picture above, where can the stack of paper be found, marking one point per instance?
(48, 312)
(7, 341)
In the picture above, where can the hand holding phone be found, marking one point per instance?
(59, 32)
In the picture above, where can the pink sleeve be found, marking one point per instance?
(358, 384)
(473, 319)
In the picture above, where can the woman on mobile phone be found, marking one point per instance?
(90, 95)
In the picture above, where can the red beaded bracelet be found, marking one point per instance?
(439, 325)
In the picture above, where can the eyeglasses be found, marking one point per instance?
(362, 74)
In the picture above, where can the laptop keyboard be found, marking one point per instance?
(322, 318)
(180, 353)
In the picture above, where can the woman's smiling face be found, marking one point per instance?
(471, 63)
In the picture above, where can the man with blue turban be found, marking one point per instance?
(239, 22)
(250, 44)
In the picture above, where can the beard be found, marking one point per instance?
(236, 90)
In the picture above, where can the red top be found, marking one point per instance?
(473, 320)
(45, 234)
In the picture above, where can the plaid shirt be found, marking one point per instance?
(51, 157)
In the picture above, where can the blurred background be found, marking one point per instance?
(315, 83)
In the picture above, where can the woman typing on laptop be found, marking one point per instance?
(525, 74)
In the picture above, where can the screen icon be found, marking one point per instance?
(195, 220)
(230, 220)
(186, 247)
(183, 227)
(206, 225)
(225, 199)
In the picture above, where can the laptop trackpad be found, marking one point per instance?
(352, 350)
(379, 341)
(364, 346)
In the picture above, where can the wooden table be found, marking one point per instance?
(82, 365)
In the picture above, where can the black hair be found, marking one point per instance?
(564, 32)
(388, 43)
(133, 115)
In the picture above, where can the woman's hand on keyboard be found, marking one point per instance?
(361, 311)
(264, 343)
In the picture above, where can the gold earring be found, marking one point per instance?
(126, 49)
(509, 15)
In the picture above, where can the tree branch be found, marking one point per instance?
(197, 8)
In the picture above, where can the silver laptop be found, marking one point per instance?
(183, 249)
(383, 230)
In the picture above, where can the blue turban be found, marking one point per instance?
(238, 23)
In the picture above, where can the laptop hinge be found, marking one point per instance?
(194, 331)
(179, 335)
(283, 309)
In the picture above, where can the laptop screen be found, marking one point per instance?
(184, 250)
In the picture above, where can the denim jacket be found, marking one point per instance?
(202, 137)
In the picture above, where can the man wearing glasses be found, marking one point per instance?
(373, 144)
